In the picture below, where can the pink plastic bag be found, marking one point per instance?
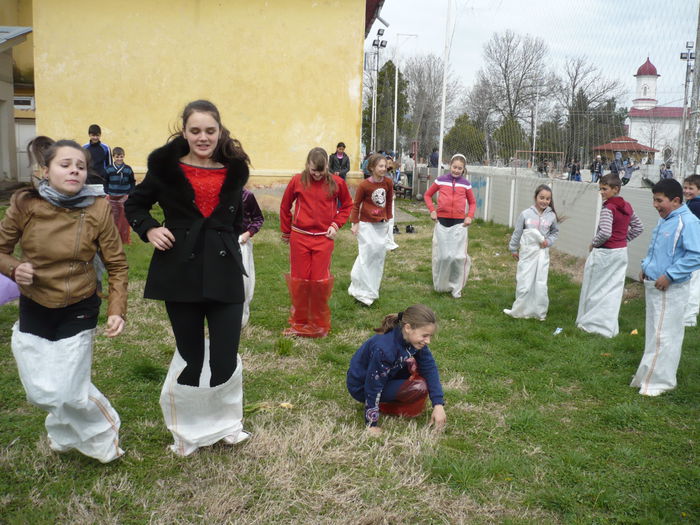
(8, 290)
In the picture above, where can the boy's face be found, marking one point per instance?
(94, 138)
(608, 191)
(690, 191)
(118, 158)
(664, 205)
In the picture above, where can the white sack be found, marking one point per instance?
(390, 242)
(56, 378)
(693, 306)
(201, 416)
(366, 274)
(249, 281)
(601, 291)
(531, 299)
(663, 338)
(451, 263)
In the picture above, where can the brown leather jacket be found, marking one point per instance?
(60, 243)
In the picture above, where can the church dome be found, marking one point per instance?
(647, 69)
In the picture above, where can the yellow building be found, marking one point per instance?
(285, 74)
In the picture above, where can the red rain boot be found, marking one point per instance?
(299, 312)
(319, 311)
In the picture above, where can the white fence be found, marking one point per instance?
(501, 196)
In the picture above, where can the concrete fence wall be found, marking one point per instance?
(501, 196)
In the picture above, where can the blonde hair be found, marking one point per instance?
(416, 316)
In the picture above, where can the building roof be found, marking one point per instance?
(624, 144)
(657, 112)
(372, 8)
(647, 69)
(12, 35)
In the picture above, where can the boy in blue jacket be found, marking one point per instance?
(673, 255)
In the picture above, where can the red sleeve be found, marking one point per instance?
(286, 206)
(428, 197)
(359, 197)
(389, 199)
(472, 203)
(345, 204)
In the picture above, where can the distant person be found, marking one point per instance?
(628, 168)
(339, 162)
(606, 265)
(434, 160)
(101, 157)
(363, 166)
(535, 231)
(665, 171)
(408, 165)
(691, 192)
(119, 182)
(616, 166)
(252, 222)
(394, 371)
(574, 168)
(597, 168)
(673, 255)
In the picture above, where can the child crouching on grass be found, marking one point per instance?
(606, 265)
(394, 372)
(674, 254)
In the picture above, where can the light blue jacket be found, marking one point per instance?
(674, 249)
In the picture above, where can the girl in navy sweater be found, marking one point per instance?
(394, 372)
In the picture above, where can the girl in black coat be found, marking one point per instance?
(197, 179)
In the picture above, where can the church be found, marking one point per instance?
(651, 124)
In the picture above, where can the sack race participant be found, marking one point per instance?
(322, 205)
(451, 263)
(60, 226)
(606, 265)
(252, 222)
(535, 231)
(370, 212)
(196, 268)
(691, 192)
(394, 372)
(673, 255)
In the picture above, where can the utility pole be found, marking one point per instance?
(688, 56)
(693, 149)
(445, 64)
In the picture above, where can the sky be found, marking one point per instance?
(615, 35)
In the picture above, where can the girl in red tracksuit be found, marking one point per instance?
(322, 204)
(451, 263)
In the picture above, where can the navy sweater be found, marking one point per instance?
(119, 180)
(380, 359)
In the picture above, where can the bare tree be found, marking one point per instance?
(580, 75)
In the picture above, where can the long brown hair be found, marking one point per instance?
(228, 148)
(417, 315)
(551, 202)
(317, 159)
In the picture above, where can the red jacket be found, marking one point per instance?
(453, 196)
(315, 210)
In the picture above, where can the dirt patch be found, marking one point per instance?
(567, 264)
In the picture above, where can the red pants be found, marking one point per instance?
(310, 256)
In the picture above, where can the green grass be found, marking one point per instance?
(541, 428)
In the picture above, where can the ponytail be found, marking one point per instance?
(416, 316)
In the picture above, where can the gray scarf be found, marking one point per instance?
(84, 198)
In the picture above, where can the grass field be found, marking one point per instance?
(542, 428)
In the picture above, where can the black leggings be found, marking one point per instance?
(58, 323)
(224, 321)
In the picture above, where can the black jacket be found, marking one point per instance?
(205, 261)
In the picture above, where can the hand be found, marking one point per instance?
(467, 221)
(331, 232)
(515, 255)
(161, 237)
(438, 418)
(24, 274)
(433, 215)
(354, 228)
(544, 244)
(374, 431)
(115, 325)
(244, 237)
(662, 283)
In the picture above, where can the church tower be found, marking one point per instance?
(646, 86)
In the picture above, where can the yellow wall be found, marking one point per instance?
(285, 74)
(19, 13)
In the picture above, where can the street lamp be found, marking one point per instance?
(396, 84)
(688, 56)
(379, 44)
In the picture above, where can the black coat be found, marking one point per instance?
(205, 260)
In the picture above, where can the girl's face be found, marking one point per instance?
(379, 169)
(543, 200)
(457, 168)
(202, 132)
(418, 337)
(67, 171)
(315, 174)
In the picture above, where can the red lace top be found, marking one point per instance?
(206, 183)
